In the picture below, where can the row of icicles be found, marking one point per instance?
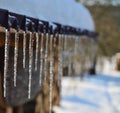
(49, 44)
(43, 65)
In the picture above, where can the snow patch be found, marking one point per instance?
(98, 94)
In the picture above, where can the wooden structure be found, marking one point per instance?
(34, 42)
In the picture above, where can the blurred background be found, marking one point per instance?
(90, 80)
(107, 22)
(99, 93)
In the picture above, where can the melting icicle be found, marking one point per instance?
(75, 46)
(60, 60)
(15, 57)
(65, 43)
(41, 59)
(62, 48)
(51, 71)
(6, 60)
(65, 50)
(75, 50)
(30, 64)
(55, 40)
(24, 49)
(37, 47)
(69, 65)
(46, 57)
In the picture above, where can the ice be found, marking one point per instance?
(16, 57)
(60, 59)
(37, 49)
(46, 57)
(41, 60)
(6, 60)
(30, 64)
(51, 71)
(24, 49)
(70, 64)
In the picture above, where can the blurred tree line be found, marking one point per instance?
(107, 23)
(100, 2)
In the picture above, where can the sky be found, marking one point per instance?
(66, 12)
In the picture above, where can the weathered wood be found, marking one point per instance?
(42, 100)
(9, 110)
(56, 87)
(18, 109)
(2, 103)
(14, 96)
(118, 64)
(18, 96)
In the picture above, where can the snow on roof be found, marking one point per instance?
(66, 12)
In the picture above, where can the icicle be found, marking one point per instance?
(75, 50)
(65, 50)
(69, 65)
(41, 59)
(15, 57)
(51, 71)
(60, 60)
(46, 57)
(75, 46)
(6, 60)
(61, 53)
(65, 43)
(69, 54)
(37, 47)
(54, 44)
(30, 64)
(24, 49)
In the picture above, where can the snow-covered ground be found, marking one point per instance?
(96, 94)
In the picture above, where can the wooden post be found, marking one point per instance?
(2, 104)
(18, 109)
(9, 110)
